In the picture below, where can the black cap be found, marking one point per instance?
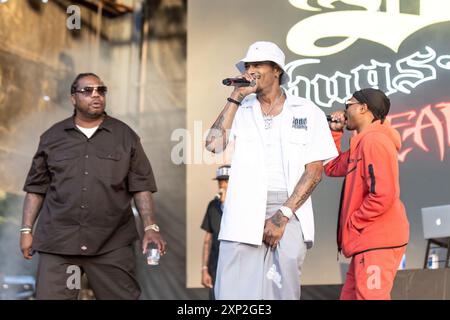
(378, 103)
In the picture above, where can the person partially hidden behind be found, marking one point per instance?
(211, 224)
(83, 176)
(373, 228)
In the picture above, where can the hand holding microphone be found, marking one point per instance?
(243, 85)
(246, 80)
(337, 120)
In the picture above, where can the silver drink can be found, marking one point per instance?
(153, 256)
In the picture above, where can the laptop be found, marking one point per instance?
(436, 222)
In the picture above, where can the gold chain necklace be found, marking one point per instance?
(268, 118)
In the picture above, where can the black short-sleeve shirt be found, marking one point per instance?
(88, 184)
(211, 224)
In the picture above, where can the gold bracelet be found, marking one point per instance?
(153, 227)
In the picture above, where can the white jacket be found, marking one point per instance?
(305, 138)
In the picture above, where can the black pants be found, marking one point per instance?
(111, 275)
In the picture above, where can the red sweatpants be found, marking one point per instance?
(371, 274)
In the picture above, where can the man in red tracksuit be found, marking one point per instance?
(373, 228)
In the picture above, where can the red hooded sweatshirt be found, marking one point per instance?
(372, 216)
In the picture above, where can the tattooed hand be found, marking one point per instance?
(274, 229)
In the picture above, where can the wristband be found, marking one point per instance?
(286, 211)
(238, 103)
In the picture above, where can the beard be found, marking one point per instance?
(90, 112)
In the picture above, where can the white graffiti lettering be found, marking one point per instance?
(303, 37)
(406, 74)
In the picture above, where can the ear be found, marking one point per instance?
(363, 108)
(72, 98)
(278, 71)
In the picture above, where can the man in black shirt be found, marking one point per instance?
(83, 176)
(211, 224)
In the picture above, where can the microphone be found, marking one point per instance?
(238, 82)
(331, 120)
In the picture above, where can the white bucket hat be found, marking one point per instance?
(264, 51)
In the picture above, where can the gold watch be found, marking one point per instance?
(153, 227)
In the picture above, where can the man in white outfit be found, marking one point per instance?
(280, 144)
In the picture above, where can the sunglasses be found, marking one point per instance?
(348, 104)
(88, 91)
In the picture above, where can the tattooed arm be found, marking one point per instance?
(274, 227)
(31, 207)
(145, 206)
(308, 182)
(217, 138)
